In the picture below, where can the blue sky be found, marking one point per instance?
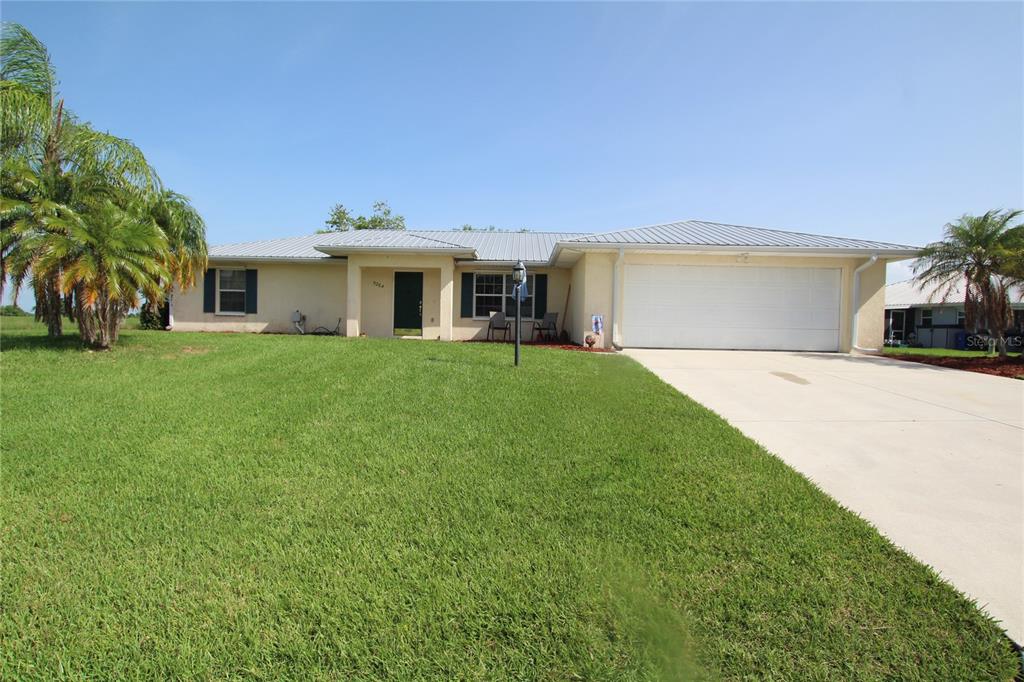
(875, 120)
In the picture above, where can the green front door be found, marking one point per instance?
(408, 303)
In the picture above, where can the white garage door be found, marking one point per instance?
(738, 306)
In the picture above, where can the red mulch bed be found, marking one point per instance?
(1012, 368)
(557, 346)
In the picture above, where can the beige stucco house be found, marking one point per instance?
(689, 284)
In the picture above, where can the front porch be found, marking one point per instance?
(400, 295)
(436, 297)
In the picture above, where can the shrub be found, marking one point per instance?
(12, 311)
(151, 317)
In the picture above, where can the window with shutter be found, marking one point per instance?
(231, 292)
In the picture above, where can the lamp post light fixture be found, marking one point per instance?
(518, 278)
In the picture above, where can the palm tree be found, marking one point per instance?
(976, 250)
(49, 144)
(1013, 265)
(186, 237)
(107, 255)
(25, 205)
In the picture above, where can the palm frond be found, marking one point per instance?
(186, 235)
(25, 117)
(90, 152)
(25, 60)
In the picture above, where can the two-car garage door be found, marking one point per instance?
(716, 306)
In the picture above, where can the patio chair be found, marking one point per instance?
(498, 323)
(546, 328)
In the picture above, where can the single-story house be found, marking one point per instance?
(688, 284)
(922, 316)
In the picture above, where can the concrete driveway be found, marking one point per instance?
(933, 457)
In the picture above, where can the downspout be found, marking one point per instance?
(855, 303)
(616, 299)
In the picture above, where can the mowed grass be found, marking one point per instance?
(203, 506)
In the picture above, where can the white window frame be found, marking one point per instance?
(931, 318)
(531, 283)
(232, 313)
(500, 296)
(961, 318)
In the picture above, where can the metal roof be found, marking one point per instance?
(539, 247)
(702, 233)
(531, 247)
(300, 248)
(387, 239)
(909, 293)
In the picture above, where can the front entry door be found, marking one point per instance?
(408, 303)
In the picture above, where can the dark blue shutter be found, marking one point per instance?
(467, 294)
(210, 291)
(540, 296)
(250, 292)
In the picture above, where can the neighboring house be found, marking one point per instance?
(922, 316)
(688, 284)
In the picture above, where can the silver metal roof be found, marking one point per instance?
(299, 248)
(387, 239)
(531, 247)
(701, 233)
(909, 293)
(538, 247)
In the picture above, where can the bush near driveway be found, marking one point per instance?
(229, 506)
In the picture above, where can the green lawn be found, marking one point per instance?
(269, 507)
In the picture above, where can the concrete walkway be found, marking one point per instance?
(933, 457)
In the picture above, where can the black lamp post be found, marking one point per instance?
(518, 277)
